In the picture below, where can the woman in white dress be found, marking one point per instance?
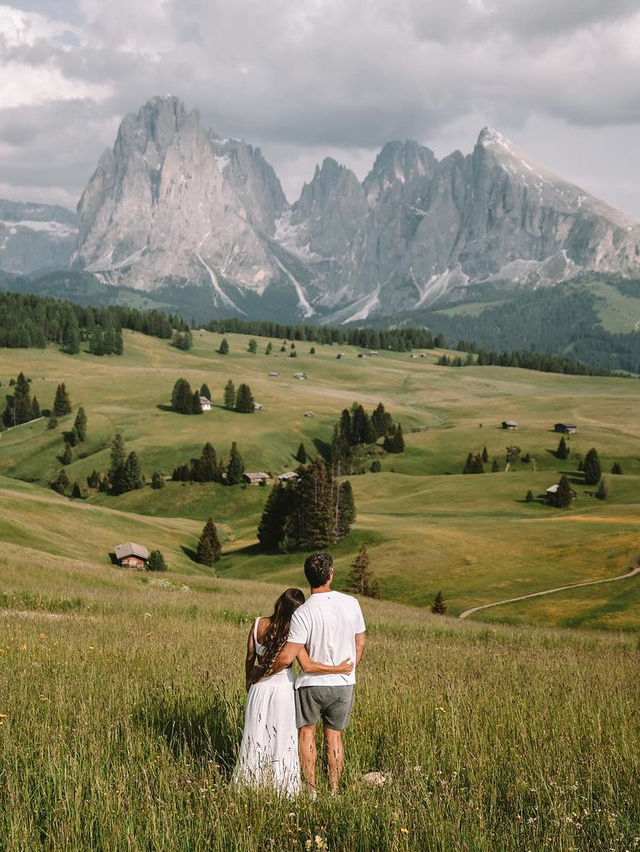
(268, 753)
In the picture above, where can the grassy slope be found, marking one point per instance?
(121, 701)
(471, 536)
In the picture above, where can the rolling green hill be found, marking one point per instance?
(427, 526)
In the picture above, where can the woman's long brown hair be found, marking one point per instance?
(278, 629)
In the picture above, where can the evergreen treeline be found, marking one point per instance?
(518, 358)
(310, 512)
(184, 400)
(550, 319)
(33, 321)
(208, 468)
(397, 339)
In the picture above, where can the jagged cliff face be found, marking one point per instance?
(174, 201)
(35, 237)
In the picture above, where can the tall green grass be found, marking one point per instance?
(121, 716)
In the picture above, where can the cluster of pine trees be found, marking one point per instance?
(21, 407)
(356, 428)
(33, 321)
(310, 512)
(397, 339)
(187, 401)
(240, 400)
(124, 474)
(208, 468)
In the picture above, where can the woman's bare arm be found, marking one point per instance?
(309, 666)
(250, 658)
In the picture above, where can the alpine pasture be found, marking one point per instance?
(121, 692)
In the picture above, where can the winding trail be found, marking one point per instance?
(631, 573)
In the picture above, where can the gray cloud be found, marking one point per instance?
(341, 76)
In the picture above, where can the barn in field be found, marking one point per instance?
(566, 428)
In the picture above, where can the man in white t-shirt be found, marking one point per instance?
(331, 627)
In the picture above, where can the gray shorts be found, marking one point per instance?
(332, 703)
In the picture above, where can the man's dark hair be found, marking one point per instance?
(317, 569)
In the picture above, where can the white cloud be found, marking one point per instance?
(339, 77)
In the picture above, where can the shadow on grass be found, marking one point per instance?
(323, 448)
(190, 553)
(205, 729)
(113, 558)
(164, 407)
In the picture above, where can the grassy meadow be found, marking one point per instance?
(427, 527)
(121, 700)
(121, 693)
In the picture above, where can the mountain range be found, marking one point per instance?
(174, 205)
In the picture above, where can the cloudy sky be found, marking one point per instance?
(308, 78)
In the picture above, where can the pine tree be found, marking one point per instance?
(361, 581)
(252, 347)
(276, 515)
(156, 561)
(52, 422)
(75, 492)
(118, 454)
(61, 483)
(316, 510)
(563, 495)
(204, 391)
(61, 403)
(485, 454)
(157, 480)
(376, 467)
(394, 441)
(529, 498)
(438, 606)
(301, 455)
(494, 467)
(616, 468)
(19, 405)
(93, 480)
(209, 547)
(229, 395)
(563, 451)
(207, 464)
(132, 473)
(223, 349)
(468, 465)
(381, 420)
(244, 400)
(341, 452)
(603, 489)
(591, 467)
(312, 351)
(80, 424)
(196, 406)
(235, 466)
(182, 397)
(67, 454)
(35, 409)
(269, 348)
(346, 509)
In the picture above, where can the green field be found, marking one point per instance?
(121, 692)
(427, 527)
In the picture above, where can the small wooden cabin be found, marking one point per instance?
(509, 424)
(566, 428)
(132, 555)
(257, 478)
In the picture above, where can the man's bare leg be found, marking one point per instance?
(308, 755)
(335, 757)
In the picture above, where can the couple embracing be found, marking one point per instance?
(325, 634)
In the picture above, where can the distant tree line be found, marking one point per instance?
(398, 339)
(29, 321)
(518, 358)
(313, 511)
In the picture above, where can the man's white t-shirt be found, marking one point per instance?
(327, 623)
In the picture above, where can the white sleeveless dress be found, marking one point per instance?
(268, 753)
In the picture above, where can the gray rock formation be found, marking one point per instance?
(35, 237)
(175, 202)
